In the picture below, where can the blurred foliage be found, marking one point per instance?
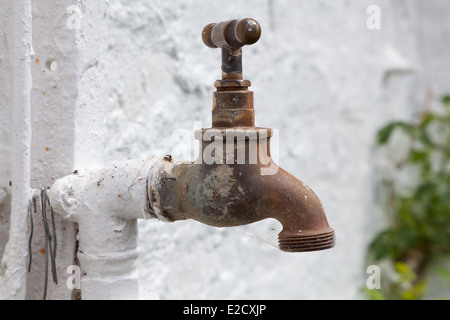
(405, 286)
(419, 230)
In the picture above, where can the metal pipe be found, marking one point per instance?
(105, 204)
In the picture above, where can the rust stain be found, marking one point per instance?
(99, 182)
(42, 251)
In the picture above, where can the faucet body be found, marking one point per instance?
(228, 195)
(235, 181)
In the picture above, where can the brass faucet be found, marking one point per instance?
(235, 181)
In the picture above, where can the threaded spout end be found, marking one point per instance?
(295, 242)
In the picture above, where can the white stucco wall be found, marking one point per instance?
(319, 75)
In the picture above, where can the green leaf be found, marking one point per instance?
(419, 156)
(415, 292)
(405, 271)
(374, 294)
(444, 272)
(381, 246)
(446, 100)
(428, 118)
(424, 137)
(385, 133)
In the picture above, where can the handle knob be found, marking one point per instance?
(232, 35)
(233, 102)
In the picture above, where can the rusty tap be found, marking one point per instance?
(235, 181)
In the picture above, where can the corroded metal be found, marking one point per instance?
(243, 185)
(231, 36)
(232, 102)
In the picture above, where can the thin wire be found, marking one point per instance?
(50, 239)
(46, 269)
(53, 251)
(30, 215)
(44, 219)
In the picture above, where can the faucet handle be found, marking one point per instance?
(232, 34)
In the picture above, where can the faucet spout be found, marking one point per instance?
(301, 213)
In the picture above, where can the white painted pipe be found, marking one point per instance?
(13, 281)
(106, 205)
